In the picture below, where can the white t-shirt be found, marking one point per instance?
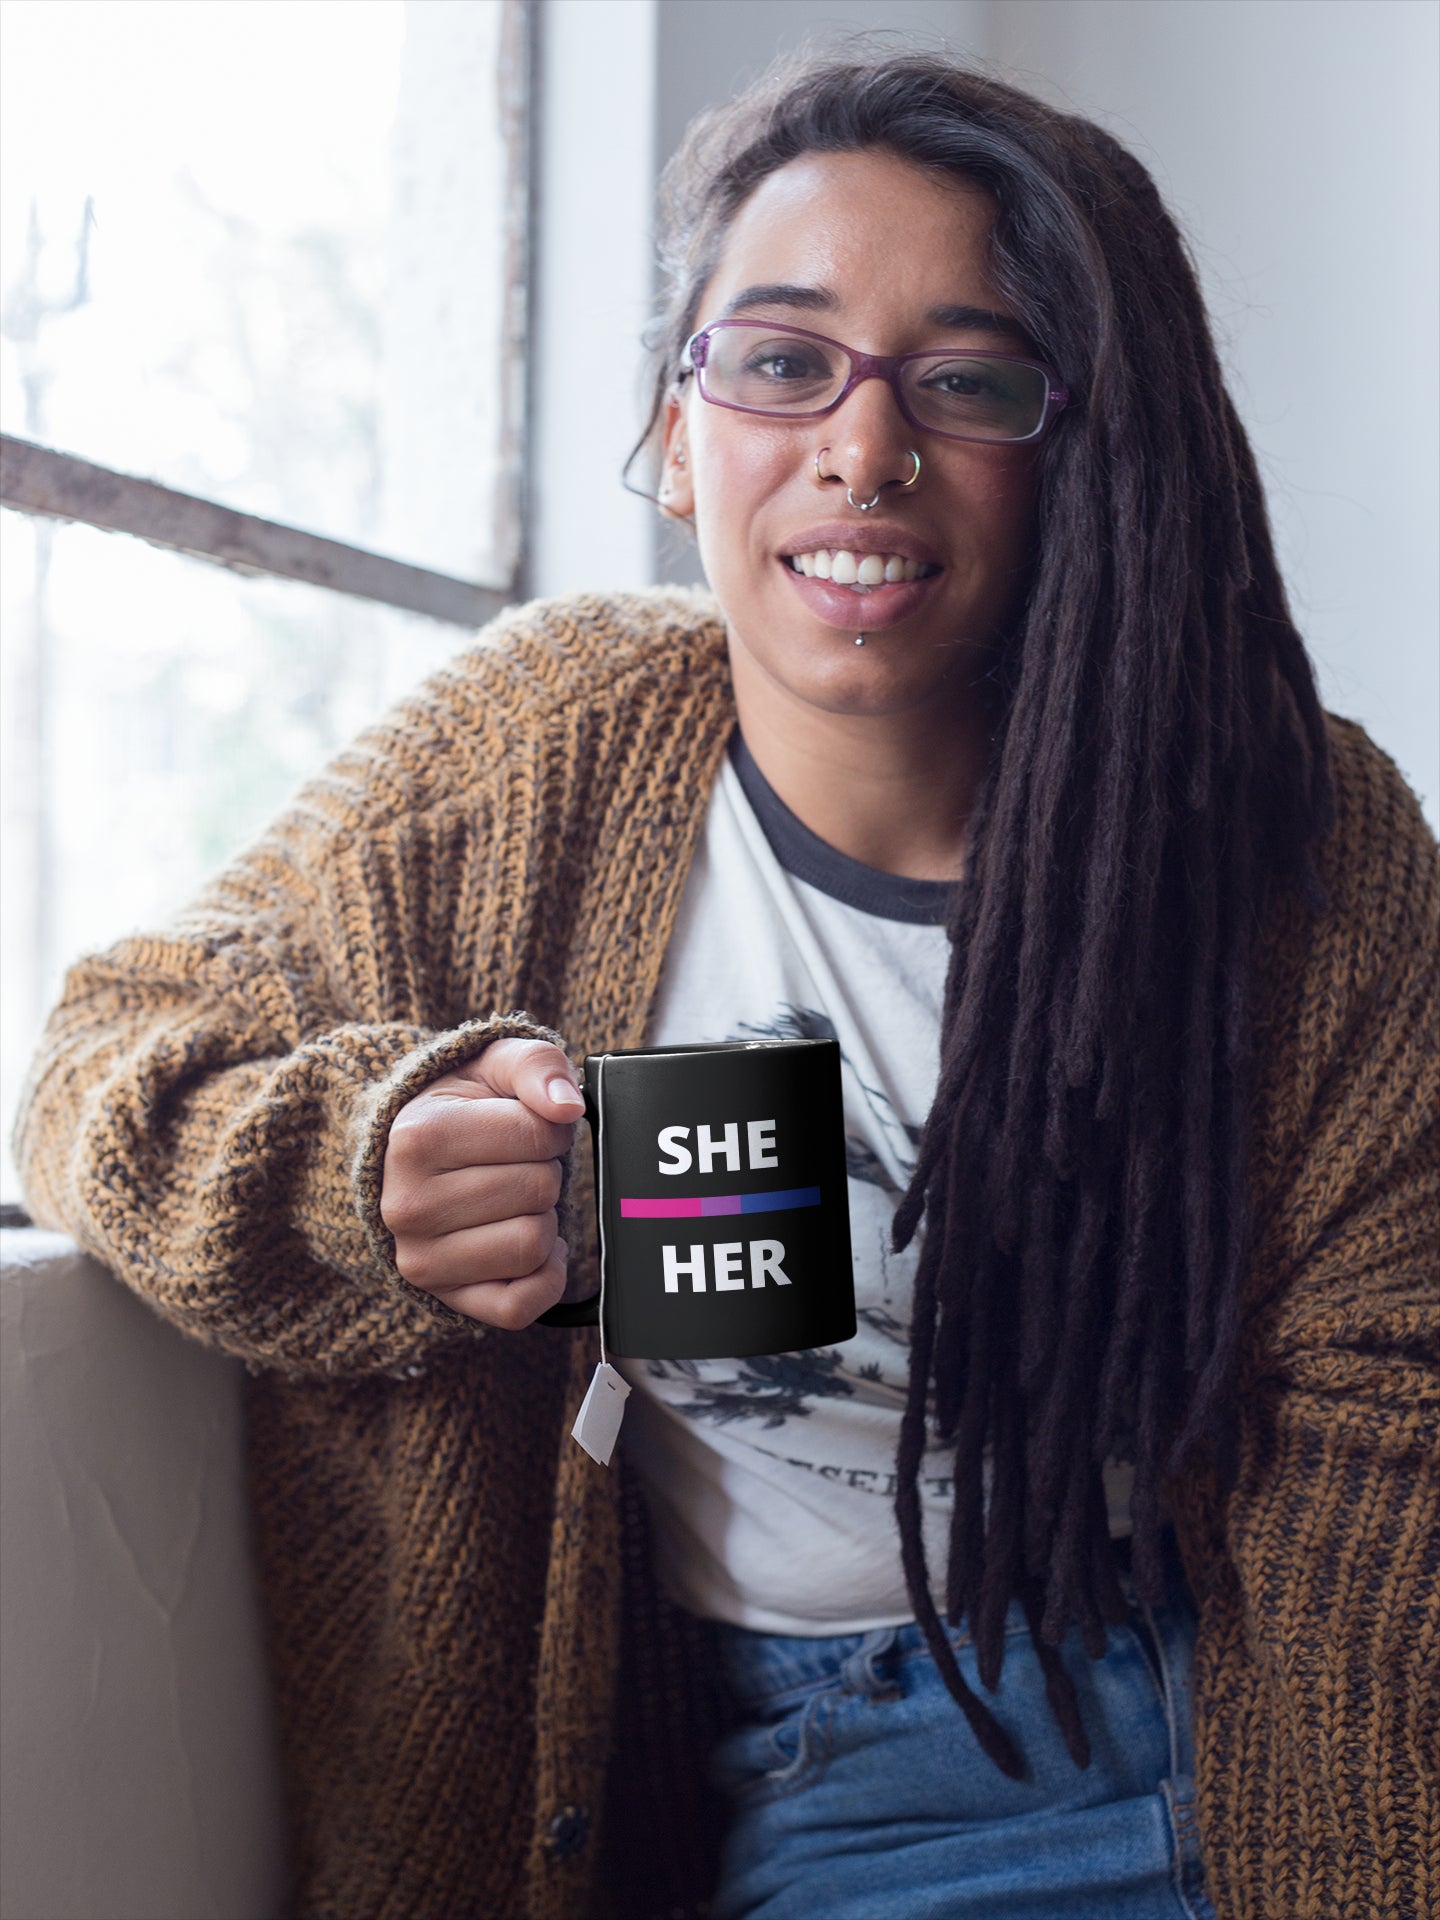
(770, 1480)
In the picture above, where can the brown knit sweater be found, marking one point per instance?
(488, 1710)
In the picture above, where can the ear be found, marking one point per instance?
(677, 488)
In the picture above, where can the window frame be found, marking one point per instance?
(52, 484)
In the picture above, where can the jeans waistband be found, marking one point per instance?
(767, 1666)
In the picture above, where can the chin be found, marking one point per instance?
(823, 669)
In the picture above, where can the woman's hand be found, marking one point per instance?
(472, 1175)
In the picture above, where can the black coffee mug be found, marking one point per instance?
(723, 1208)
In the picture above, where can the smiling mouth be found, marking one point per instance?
(861, 572)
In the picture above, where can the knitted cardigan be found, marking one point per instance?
(487, 1708)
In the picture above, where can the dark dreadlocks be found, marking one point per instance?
(1158, 762)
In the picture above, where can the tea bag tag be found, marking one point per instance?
(598, 1422)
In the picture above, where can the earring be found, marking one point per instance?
(680, 459)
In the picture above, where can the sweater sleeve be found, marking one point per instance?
(209, 1106)
(1319, 1722)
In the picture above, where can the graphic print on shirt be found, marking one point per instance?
(774, 1388)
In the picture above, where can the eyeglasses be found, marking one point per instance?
(754, 366)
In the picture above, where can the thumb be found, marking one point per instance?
(534, 1072)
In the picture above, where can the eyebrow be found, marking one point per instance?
(822, 300)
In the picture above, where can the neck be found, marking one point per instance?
(894, 790)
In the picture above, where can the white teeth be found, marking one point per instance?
(849, 569)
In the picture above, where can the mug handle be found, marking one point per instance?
(575, 1313)
(571, 1313)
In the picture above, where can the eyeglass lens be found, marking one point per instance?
(966, 394)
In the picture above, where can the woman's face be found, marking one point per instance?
(864, 248)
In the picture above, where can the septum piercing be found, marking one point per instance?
(864, 506)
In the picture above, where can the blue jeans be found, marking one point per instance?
(859, 1792)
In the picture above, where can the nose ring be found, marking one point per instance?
(864, 506)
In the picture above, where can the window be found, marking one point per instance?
(262, 300)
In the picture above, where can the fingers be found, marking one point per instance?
(508, 1304)
(440, 1131)
(447, 1203)
(508, 1249)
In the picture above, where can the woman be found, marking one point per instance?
(1131, 951)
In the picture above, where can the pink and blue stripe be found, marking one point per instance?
(711, 1205)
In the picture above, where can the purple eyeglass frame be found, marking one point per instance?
(871, 366)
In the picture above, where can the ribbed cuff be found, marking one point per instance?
(410, 1075)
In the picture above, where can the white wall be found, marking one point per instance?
(710, 49)
(1296, 141)
(595, 196)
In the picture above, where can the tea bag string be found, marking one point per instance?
(597, 1424)
(600, 1191)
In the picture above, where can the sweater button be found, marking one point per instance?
(568, 1832)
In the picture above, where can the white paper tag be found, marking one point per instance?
(601, 1411)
